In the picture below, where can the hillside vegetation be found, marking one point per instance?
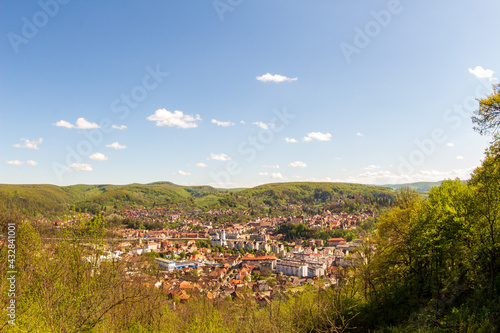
(52, 201)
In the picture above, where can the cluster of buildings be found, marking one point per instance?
(269, 261)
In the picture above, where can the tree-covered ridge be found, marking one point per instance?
(322, 196)
(32, 200)
(53, 200)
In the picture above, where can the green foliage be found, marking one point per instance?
(292, 231)
(32, 200)
(321, 194)
(486, 118)
(436, 261)
(53, 201)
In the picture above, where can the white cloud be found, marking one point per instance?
(222, 123)
(450, 144)
(64, 123)
(298, 164)
(275, 78)
(276, 166)
(15, 162)
(219, 157)
(382, 177)
(290, 140)
(314, 179)
(19, 163)
(277, 175)
(121, 127)
(98, 157)
(261, 125)
(263, 174)
(176, 118)
(81, 123)
(183, 173)
(359, 134)
(116, 145)
(29, 144)
(201, 165)
(482, 73)
(371, 167)
(242, 122)
(317, 136)
(459, 157)
(80, 167)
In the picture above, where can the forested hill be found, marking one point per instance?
(51, 200)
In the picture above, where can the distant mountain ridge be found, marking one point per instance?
(418, 186)
(421, 187)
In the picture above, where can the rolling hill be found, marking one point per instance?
(51, 200)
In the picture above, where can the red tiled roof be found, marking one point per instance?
(259, 258)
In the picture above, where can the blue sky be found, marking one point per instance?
(236, 93)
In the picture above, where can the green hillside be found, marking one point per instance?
(316, 194)
(32, 200)
(51, 200)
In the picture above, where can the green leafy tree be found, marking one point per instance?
(485, 182)
(486, 118)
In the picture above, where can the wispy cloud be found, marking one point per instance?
(275, 166)
(29, 144)
(318, 136)
(290, 140)
(15, 162)
(261, 125)
(371, 167)
(382, 177)
(460, 157)
(80, 167)
(64, 123)
(360, 134)
(81, 123)
(178, 119)
(298, 164)
(482, 73)
(98, 157)
(219, 157)
(450, 144)
(121, 127)
(263, 174)
(19, 163)
(116, 145)
(277, 78)
(222, 123)
(182, 173)
(201, 165)
(277, 175)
